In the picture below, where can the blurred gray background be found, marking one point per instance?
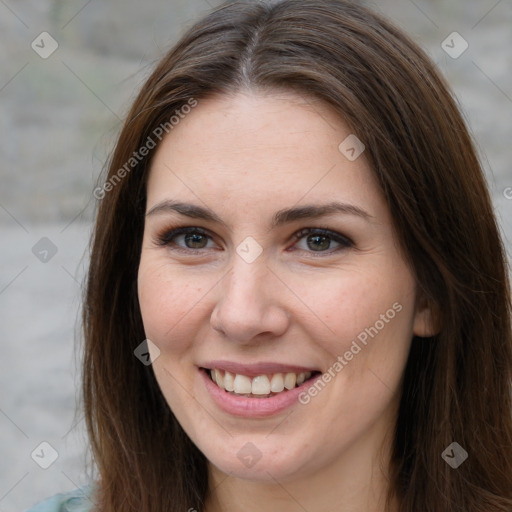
(58, 120)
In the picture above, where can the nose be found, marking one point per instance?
(250, 306)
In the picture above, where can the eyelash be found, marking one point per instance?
(344, 241)
(166, 239)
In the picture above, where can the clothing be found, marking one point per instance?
(74, 501)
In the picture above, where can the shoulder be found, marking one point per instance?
(74, 501)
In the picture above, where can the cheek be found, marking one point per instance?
(166, 300)
(366, 318)
(345, 306)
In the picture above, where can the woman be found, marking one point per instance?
(297, 296)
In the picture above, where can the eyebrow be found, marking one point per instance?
(280, 218)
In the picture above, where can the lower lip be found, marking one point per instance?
(253, 407)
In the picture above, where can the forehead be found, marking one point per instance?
(260, 149)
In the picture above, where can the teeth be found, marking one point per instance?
(277, 383)
(260, 386)
(228, 382)
(290, 379)
(242, 384)
(218, 378)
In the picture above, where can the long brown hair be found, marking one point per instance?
(457, 384)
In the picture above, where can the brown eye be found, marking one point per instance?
(186, 238)
(321, 241)
(195, 240)
(318, 242)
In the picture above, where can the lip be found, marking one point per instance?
(246, 407)
(255, 369)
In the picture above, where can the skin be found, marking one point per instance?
(245, 157)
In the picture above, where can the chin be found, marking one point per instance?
(259, 459)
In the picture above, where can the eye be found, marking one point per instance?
(187, 239)
(321, 241)
(312, 240)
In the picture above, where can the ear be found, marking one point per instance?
(426, 318)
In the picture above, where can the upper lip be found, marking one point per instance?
(255, 369)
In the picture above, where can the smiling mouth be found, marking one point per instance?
(261, 386)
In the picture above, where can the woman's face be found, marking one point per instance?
(269, 258)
